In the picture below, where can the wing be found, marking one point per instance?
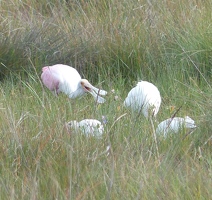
(68, 77)
(50, 79)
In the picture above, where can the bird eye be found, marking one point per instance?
(87, 88)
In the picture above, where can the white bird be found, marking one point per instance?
(63, 78)
(174, 125)
(89, 127)
(145, 98)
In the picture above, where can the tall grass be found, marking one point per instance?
(130, 38)
(42, 159)
(113, 44)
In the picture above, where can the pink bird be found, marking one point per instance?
(63, 78)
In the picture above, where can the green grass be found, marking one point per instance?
(113, 44)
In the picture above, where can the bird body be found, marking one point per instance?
(175, 125)
(63, 78)
(145, 97)
(89, 127)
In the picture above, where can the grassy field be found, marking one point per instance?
(113, 44)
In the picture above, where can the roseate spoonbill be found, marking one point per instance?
(89, 127)
(175, 125)
(145, 98)
(63, 78)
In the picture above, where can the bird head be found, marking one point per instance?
(190, 123)
(73, 124)
(95, 92)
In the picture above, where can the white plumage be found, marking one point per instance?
(174, 125)
(89, 127)
(63, 78)
(145, 97)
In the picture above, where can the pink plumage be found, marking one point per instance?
(50, 79)
(63, 78)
